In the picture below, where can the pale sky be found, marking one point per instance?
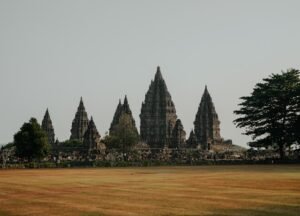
(53, 52)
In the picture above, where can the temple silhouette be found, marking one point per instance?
(160, 127)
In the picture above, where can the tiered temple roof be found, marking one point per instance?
(80, 122)
(122, 109)
(207, 124)
(92, 137)
(192, 141)
(178, 136)
(48, 128)
(158, 114)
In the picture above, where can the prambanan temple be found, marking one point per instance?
(160, 126)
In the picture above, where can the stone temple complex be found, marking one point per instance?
(158, 114)
(162, 137)
(207, 124)
(48, 128)
(159, 126)
(80, 123)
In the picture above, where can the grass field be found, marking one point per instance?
(205, 190)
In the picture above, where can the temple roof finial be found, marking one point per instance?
(125, 106)
(125, 100)
(81, 105)
(206, 93)
(47, 112)
(158, 75)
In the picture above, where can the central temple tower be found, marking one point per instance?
(158, 114)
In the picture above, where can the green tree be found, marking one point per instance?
(270, 115)
(71, 145)
(124, 135)
(31, 141)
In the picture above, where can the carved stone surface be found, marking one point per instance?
(158, 114)
(207, 124)
(192, 141)
(121, 110)
(116, 117)
(80, 123)
(92, 137)
(48, 128)
(178, 136)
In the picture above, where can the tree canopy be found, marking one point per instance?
(271, 114)
(31, 141)
(124, 135)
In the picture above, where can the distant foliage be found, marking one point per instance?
(31, 141)
(124, 135)
(271, 114)
(73, 143)
(71, 146)
(8, 146)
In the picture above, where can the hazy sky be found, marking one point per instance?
(53, 52)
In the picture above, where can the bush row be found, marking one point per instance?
(144, 163)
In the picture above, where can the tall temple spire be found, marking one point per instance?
(80, 122)
(116, 117)
(48, 128)
(158, 114)
(122, 109)
(207, 124)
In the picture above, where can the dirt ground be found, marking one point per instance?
(203, 190)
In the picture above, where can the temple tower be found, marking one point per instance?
(116, 117)
(178, 136)
(80, 122)
(122, 109)
(192, 141)
(91, 139)
(48, 128)
(207, 124)
(158, 114)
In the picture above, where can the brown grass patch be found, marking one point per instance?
(206, 190)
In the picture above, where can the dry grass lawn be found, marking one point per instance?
(204, 190)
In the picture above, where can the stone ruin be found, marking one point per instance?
(160, 129)
(80, 122)
(48, 128)
(122, 109)
(207, 124)
(158, 116)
